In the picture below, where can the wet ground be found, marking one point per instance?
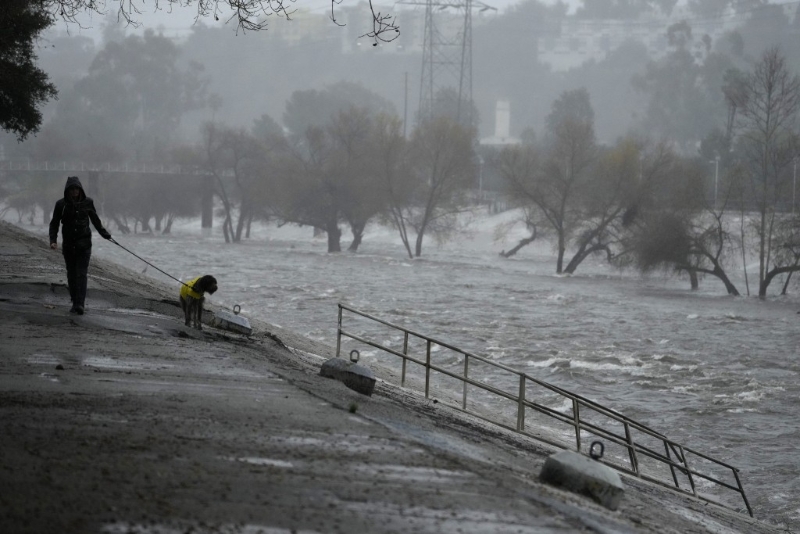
(123, 420)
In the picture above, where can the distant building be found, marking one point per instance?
(582, 40)
(304, 26)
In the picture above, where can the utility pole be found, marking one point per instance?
(715, 161)
(480, 177)
(794, 184)
(405, 107)
(716, 179)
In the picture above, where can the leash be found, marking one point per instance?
(148, 263)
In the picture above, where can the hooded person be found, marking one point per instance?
(73, 213)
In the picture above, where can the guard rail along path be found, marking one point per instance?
(632, 447)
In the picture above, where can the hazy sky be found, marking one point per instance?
(176, 19)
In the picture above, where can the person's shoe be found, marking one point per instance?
(79, 309)
(73, 309)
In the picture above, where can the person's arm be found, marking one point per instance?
(55, 221)
(98, 224)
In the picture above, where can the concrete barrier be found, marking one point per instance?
(231, 321)
(356, 377)
(580, 474)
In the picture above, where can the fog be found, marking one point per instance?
(611, 111)
(525, 53)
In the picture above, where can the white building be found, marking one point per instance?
(502, 127)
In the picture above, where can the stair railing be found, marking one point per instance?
(678, 459)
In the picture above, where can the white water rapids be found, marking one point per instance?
(716, 373)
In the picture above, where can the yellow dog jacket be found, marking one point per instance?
(187, 289)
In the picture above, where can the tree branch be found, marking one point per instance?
(384, 28)
(249, 15)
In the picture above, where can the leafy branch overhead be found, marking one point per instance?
(249, 15)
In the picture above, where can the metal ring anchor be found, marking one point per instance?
(236, 309)
(354, 356)
(595, 455)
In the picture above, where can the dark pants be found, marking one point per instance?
(77, 261)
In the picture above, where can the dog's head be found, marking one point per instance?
(206, 284)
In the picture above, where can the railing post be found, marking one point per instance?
(631, 450)
(688, 469)
(521, 405)
(741, 490)
(428, 368)
(466, 377)
(671, 467)
(405, 361)
(576, 421)
(339, 332)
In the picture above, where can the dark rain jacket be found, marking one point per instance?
(74, 218)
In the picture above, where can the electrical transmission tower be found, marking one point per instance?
(447, 54)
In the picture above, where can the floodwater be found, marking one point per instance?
(716, 373)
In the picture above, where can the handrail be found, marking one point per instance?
(680, 464)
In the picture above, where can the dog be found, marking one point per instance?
(192, 298)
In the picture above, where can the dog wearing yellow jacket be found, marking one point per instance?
(192, 298)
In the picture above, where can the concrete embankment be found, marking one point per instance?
(123, 420)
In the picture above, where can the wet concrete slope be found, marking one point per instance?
(123, 420)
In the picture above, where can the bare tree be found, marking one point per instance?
(398, 183)
(234, 157)
(787, 239)
(767, 105)
(350, 133)
(328, 176)
(441, 156)
(556, 180)
(611, 194)
(307, 192)
(680, 230)
(520, 167)
(528, 218)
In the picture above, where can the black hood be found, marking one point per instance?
(73, 181)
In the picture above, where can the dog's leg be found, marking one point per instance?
(200, 313)
(193, 312)
(186, 310)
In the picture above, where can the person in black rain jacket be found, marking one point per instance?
(74, 212)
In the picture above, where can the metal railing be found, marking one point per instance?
(632, 437)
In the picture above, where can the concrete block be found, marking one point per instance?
(356, 377)
(580, 474)
(230, 321)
